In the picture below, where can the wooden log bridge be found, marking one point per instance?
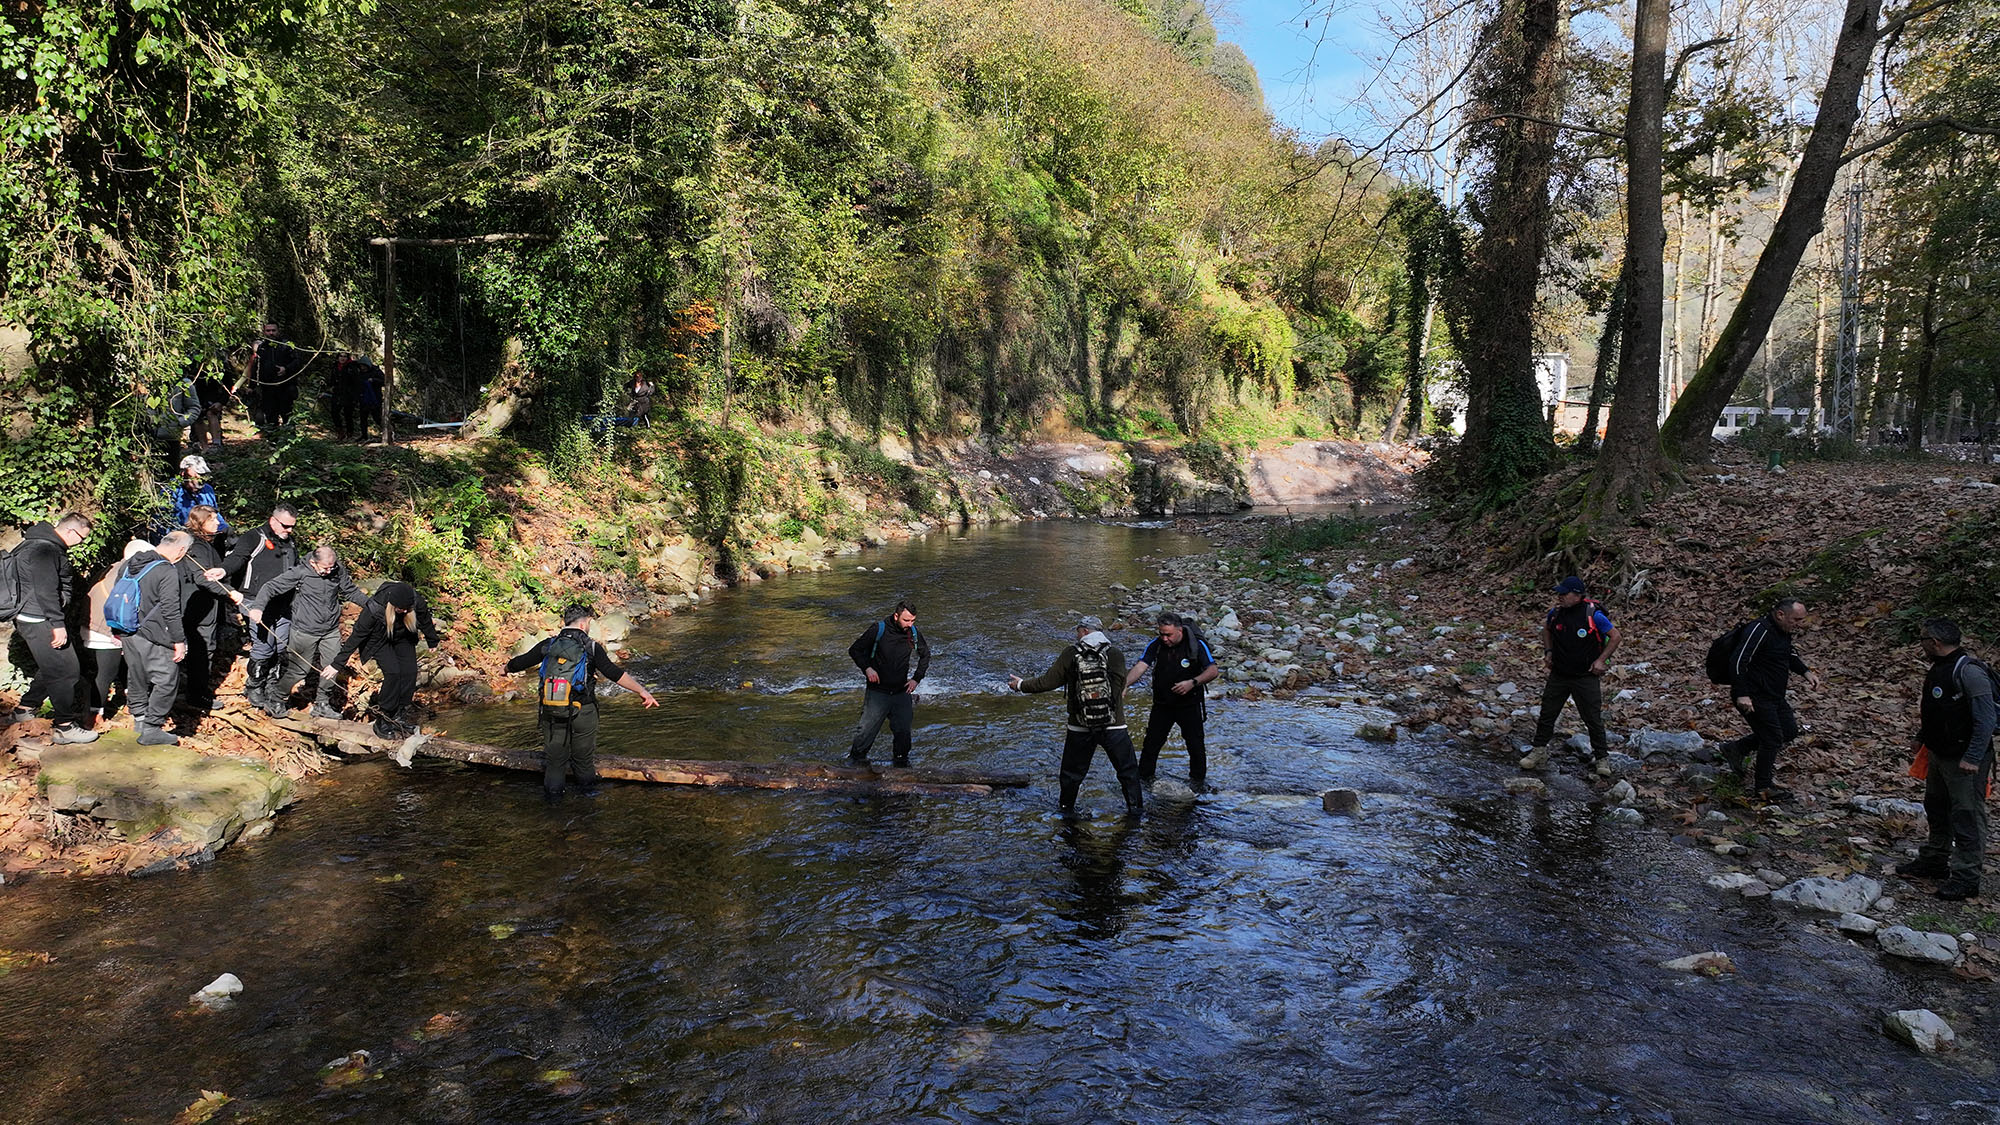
(353, 738)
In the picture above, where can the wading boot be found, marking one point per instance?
(1958, 889)
(1135, 799)
(1924, 867)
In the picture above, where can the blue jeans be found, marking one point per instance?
(898, 708)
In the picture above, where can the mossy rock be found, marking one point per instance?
(141, 789)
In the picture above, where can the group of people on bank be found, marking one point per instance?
(163, 622)
(267, 376)
(1953, 743)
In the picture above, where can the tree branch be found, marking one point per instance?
(1895, 26)
(1688, 52)
(1905, 129)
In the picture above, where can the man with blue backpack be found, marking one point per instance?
(883, 652)
(145, 612)
(568, 710)
(1577, 639)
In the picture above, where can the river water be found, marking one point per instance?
(664, 954)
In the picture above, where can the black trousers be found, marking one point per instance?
(151, 680)
(398, 661)
(1078, 749)
(1955, 810)
(1160, 724)
(1588, 691)
(56, 670)
(570, 745)
(1772, 724)
(110, 666)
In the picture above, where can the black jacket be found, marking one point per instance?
(601, 663)
(1763, 662)
(204, 599)
(1064, 674)
(310, 599)
(1172, 664)
(46, 577)
(160, 599)
(884, 647)
(372, 632)
(258, 556)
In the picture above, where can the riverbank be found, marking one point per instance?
(500, 540)
(1439, 626)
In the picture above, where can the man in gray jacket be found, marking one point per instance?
(1091, 673)
(315, 590)
(155, 648)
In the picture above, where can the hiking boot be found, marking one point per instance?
(857, 759)
(1775, 795)
(1957, 890)
(901, 763)
(71, 734)
(1734, 757)
(1536, 759)
(154, 736)
(1924, 867)
(383, 728)
(324, 711)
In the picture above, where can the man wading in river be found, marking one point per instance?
(883, 653)
(1091, 673)
(569, 661)
(1181, 665)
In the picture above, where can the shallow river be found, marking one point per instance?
(661, 954)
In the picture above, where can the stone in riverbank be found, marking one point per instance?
(1902, 941)
(141, 789)
(1920, 1028)
(1851, 895)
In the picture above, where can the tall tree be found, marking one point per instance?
(1519, 96)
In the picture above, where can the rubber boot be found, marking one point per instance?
(257, 684)
(1066, 803)
(1135, 798)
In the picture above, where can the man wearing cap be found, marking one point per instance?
(1577, 638)
(1091, 673)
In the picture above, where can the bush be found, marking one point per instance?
(1962, 579)
(1291, 538)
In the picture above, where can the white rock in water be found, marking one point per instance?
(1625, 816)
(219, 991)
(1902, 941)
(1622, 793)
(1851, 895)
(1860, 924)
(1920, 1028)
(1713, 963)
(1733, 881)
(1171, 790)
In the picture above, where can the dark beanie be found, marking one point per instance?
(402, 595)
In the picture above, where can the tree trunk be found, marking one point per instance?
(1631, 464)
(1521, 95)
(1686, 432)
(1927, 340)
(1601, 379)
(1674, 375)
(1819, 330)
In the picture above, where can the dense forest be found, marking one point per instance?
(955, 217)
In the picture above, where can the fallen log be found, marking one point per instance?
(818, 776)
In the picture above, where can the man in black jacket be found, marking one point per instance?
(1182, 665)
(1760, 672)
(883, 652)
(153, 653)
(1091, 673)
(310, 595)
(258, 557)
(1957, 723)
(572, 740)
(1577, 640)
(46, 581)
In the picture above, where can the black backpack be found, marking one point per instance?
(1093, 686)
(1722, 653)
(10, 582)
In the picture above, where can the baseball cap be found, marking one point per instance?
(1089, 623)
(195, 462)
(1570, 585)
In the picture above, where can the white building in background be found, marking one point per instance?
(1444, 390)
(1736, 419)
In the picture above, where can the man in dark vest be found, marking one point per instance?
(1577, 638)
(1957, 721)
(571, 739)
(1181, 665)
(257, 558)
(884, 652)
(1760, 672)
(1091, 673)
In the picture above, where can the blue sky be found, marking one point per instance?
(1307, 54)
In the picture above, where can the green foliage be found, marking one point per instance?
(1285, 541)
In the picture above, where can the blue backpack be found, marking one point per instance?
(122, 609)
(565, 667)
